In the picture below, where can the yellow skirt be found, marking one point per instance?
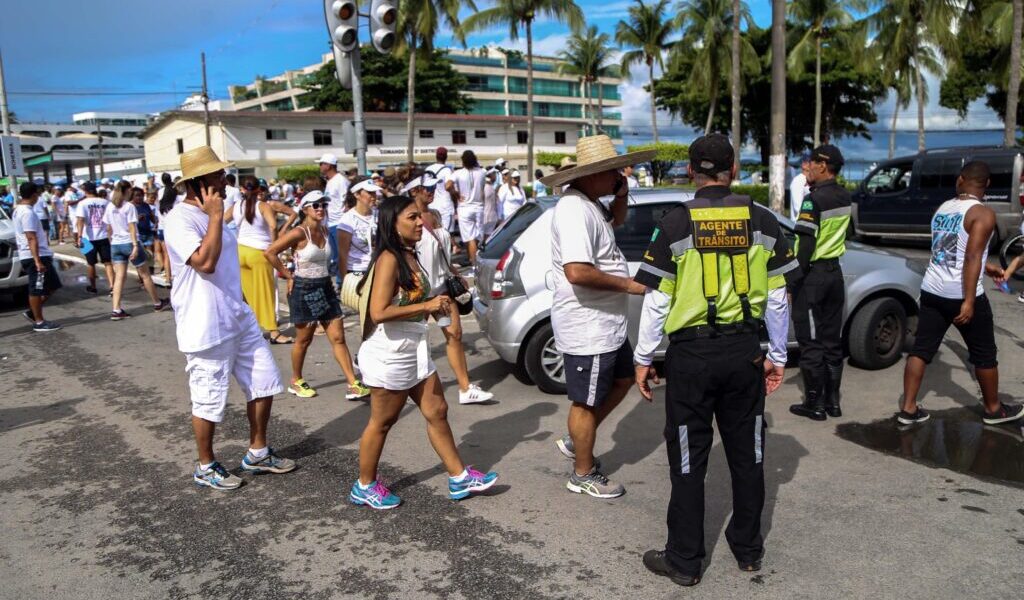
(258, 285)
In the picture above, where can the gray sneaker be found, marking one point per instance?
(595, 484)
(566, 447)
(216, 477)
(270, 463)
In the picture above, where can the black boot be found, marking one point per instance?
(813, 406)
(832, 393)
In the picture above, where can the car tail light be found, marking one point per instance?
(505, 283)
(498, 283)
(1022, 190)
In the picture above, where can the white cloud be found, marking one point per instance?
(546, 46)
(636, 101)
(936, 117)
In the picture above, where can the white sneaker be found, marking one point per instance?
(1020, 298)
(474, 395)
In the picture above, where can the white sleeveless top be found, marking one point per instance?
(256, 234)
(311, 260)
(944, 276)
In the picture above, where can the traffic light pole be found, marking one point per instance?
(5, 120)
(357, 110)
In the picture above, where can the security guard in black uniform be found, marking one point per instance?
(710, 268)
(819, 294)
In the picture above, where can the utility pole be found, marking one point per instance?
(5, 118)
(777, 152)
(357, 110)
(99, 138)
(206, 99)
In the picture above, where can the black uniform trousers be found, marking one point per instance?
(818, 315)
(721, 379)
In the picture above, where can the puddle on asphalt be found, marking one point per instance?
(954, 439)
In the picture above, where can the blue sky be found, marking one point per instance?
(140, 46)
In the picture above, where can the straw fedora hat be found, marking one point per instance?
(201, 161)
(567, 163)
(596, 154)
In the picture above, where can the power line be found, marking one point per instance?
(82, 93)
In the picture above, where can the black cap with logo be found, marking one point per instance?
(711, 154)
(829, 155)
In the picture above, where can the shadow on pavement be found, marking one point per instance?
(25, 416)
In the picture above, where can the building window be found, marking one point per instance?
(426, 134)
(458, 136)
(375, 136)
(277, 134)
(322, 137)
(559, 137)
(181, 145)
(522, 137)
(480, 134)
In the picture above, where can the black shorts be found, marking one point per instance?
(937, 314)
(589, 378)
(51, 281)
(94, 249)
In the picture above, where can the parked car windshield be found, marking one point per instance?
(634, 235)
(890, 179)
(509, 230)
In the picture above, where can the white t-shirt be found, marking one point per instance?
(512, 198)
(25, 219)
(118, 219)
(336, 189)
(208, 308)
(434, 253)
(289, 192)
(470, 184)
(92, 210)
(232, 196)
(442, 199)
(798, 188)
(539, 189)
(362, 230)
(586, 321)
(41, 209)
(275, 192)
(632, 182)
(56, 207)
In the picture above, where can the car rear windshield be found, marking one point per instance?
(509, 231)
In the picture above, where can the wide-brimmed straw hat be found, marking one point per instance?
(201, 161)
(596, 154)
(566, 163)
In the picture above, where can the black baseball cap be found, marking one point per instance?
(711, 154)
(829, 155)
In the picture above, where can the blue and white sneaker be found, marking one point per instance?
(216, 477)
(270, 463)
(376, 496)
(472, 483)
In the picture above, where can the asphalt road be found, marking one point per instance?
(96, 499)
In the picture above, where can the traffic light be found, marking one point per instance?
(343, 23)
(383, 19)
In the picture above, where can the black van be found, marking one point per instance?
(898, 198)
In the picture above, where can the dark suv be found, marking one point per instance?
(898, 198)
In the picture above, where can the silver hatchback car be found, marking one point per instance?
(514, 290)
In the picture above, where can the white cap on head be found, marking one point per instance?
(505, 171)
(514, 174)
(366, 185)
(425, 180)
(329, 159)
(311, 198)
(105, 181)
(500, 162)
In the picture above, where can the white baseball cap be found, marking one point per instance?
(425, 180)
(329, 159)
(505, 171)
(311, 198)
(366, 185)
(500, 162)
(514, 174)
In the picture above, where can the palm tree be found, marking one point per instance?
(899, 83)
(825, 20)
(418, 23)
(707, 25)
(1013, 86)
(521, 14)
(646, 33)
(736, 56)
(586, 56)
(909, 31)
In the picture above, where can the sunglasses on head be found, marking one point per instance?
(316, 205)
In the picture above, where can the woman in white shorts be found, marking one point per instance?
(395, 359)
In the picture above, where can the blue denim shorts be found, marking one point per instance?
(119, 253)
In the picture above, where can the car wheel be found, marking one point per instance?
(543, 363)
(878, 332)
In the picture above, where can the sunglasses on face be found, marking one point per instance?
(317, 205)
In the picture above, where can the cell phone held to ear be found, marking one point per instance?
(197, 188)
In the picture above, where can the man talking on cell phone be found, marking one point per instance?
(216, 329)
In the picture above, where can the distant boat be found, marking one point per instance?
(635, 133)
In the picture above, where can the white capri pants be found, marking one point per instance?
(471, 223)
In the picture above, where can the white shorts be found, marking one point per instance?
(247, 357)
(396, 356)
(471, 221)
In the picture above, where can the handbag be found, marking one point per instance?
(457, 290)
(349, 295)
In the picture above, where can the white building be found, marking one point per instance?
(261, 142)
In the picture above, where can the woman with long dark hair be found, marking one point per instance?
(395, 359)
(257, 230)
(121, 219)
(168, 198)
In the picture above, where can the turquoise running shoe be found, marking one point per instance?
(474, 482)
(216, 477)
(376, 495)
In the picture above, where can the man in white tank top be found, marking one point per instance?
(952, 293)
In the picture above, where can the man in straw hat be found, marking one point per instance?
(589, 310)
(714, 270)
(216, 330)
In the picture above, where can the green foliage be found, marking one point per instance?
(298, 172)
(385, 86)
(552, 159)
(757, 193)
(668, 153)
(980, 71)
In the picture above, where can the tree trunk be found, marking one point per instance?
(654, 110)
(892, 132)
(529, 100)
(410, 117)
(1013, 86)
(600, 106)
(919, 83)
(817, 91)
(714, 104)
(589, 91)
(735, 83)
(777, 160)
